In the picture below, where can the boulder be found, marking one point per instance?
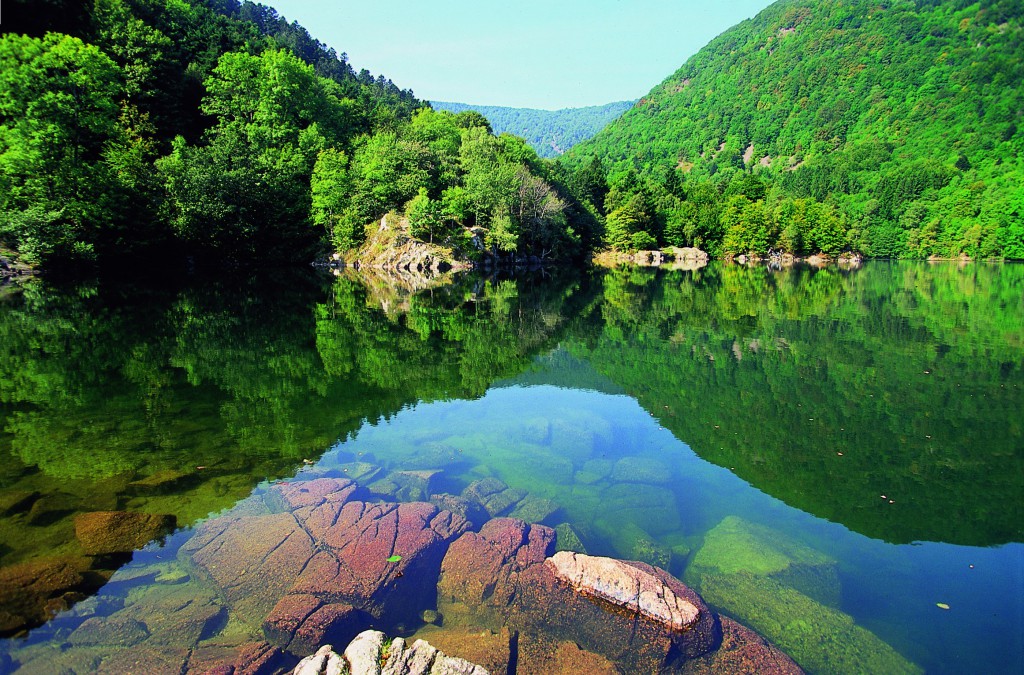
(29, 590)
(106, 532)
(327, 568)
(632, 614)
(742, 652)
(495, 497)
(120, 632)
(370, 654)
(17, 501)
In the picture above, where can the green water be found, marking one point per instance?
(736, 426)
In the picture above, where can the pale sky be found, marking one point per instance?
(528, 53)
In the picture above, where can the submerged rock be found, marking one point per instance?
(31, 590)
(106, 532)
(495, 497)
(783, 589)
(566, 539)
(328, 568)
(501, 577)
(742, 652)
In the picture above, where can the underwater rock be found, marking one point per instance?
(105, 532)
(52, 507)
(496, 497)
(479, 572)
(163, 481)
(114, 631)
(818, 637)
(332, 563)
(641, 470)
(369, 654)
(499, 577)
(300, 623)
(17, 501)
(404, 486)
(534, 509)
(566, 539)
(361, 472)
(471, 510)
(28, 589)
(491, 650)
(742, 652)
(539, 655)
(736, 545)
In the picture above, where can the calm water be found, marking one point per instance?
(827, 455)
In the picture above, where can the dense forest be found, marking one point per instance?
(549, 132)
(892, 129)
(216, 129)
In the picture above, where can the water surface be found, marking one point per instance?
(819, 452)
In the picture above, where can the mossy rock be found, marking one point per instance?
(566, 539)
(593, 471)
(820, 638)
(631, 542)
(641, 470)
(534, 509)
(651, 507)
(736, 545)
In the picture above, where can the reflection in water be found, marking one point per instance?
(810, 394)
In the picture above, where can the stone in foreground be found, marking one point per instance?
(369, 654)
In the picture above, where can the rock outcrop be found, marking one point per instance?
(329, 565)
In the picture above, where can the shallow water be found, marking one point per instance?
(825, 455)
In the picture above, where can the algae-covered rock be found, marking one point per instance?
(566, 539)
(534, 509)
(652, 508)
(819, 638)
(641, 470)
(593, 471)
(736, 545)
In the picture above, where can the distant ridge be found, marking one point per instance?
(549, 132)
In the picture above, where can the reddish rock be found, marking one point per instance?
(500, 577)
(480, 572)
(104, 532)
(742, 652)
(323, 570)
(253, 560)
(28, 591)
(336, 623)
(260, 658)
(356, 541)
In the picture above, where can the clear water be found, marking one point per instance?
(663, 415)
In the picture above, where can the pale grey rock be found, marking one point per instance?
(363, 653)
(626, 586)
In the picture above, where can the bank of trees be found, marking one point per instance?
(218, 129)
(900, 122)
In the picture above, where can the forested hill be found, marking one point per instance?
(549, 132)
(898, 122)
(217, 130)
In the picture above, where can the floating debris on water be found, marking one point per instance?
(941, 605)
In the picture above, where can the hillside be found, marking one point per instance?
(549, 132)
(901, 122)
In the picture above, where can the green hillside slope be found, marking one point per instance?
(902, 119)
(549, 132)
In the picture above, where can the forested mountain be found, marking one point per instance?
(893, 129)
(549, 132)
(216, 129)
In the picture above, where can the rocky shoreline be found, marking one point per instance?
(314, 563)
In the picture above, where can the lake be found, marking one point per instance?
(833, 457)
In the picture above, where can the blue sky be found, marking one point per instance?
(526, 53)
